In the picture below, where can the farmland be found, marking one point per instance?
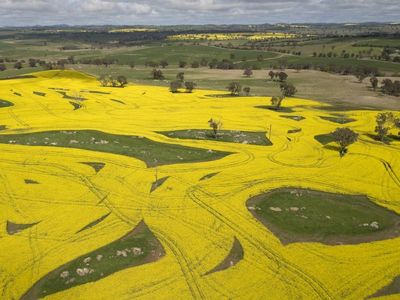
(124, 192)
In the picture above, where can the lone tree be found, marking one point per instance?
(271, 74)
(215, 126)
(246, 90)
(157, 74)
(277, 101)
(195, 64)
(234, 88)
(282, 76)
(383, 124)
(374, 82)
(190, 86)
(174, 86)
(361, 76)
(344, 137)
(18, 65)
(288, 89)
(103, 80)
(248, 72)
(180, 76)
(397, 124)
(122, 80)
(163, 64)
(182, 64)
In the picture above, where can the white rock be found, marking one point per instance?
(87, 260)
(64, 274)
(374, 225)
(137, 251)
(275, 208)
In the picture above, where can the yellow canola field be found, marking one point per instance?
(232, 36)
(196, 221)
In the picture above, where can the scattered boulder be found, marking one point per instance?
(277, 209)
(64, 274)
(87, 260)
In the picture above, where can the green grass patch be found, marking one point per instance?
(338, 119)
(14, 228)
(5, 103)
(296, 130)
(392, 289)
(235, 255)
(136, 248)
(94, 223)
(231, 136)
(324, 138)
(97, 166)
(208, 176)
(39, 93)
(159, 182)
(296, 215)
(151, 152)
(66, 96)
(30, 181)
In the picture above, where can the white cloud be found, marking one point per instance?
(32, 12)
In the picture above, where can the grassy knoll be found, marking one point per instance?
(231, 136)
(137, 247)
(174, 53)
(151, 152)
(296, 215)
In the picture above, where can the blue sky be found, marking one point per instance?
(163, 12)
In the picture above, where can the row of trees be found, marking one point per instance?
(235, 88)
(385, 122)
(108, 80)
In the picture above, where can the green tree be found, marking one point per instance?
(288, 89)
(374, 82)
(277, 101)
(174, 86)
(190, 86)
(248, 72)
(195, 64)
(163, 64)
(282, 76)
(215, 126)
(384, 123)
(18, 65)
(246, 90)
(344, 137)
(103, 80)
(234, 88)
(157, 74)
(122, 80)
(271, 74)
(180, 76)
